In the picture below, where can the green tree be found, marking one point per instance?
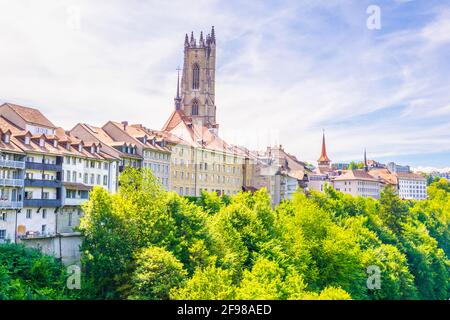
(263, 282)
(157, 272)
(26, 273)
(210, 283)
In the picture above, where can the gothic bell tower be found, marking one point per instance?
(198, 79)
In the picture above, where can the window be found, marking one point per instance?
(105, 180)
(92, 178)
(44, 213)
(70, 219)
(44, 229)
(3, 216)
(45, 195)
(195, 107)
(28, 214)
(2, 234)
(68, 176)
(85, 179)
(99, 179)
(195, 76)
(74, 176)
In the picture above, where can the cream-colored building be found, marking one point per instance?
(358, 183)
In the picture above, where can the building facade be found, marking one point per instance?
(358, 183)
(412, 186)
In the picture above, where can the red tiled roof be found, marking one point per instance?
(31, 115)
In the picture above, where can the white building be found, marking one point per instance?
(149, 145)
(412, 186)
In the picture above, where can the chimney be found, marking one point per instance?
(125, 124)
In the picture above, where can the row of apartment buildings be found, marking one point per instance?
(46, 172)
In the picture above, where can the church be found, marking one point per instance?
(201, 160)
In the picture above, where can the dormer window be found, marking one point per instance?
(41, 142)
(98, 149)
(92, 149)
(80, 147)
(144, 139)
(55, 143)
(27, 140)
(6, 138)
(68, 146)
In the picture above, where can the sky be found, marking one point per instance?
(286, 70)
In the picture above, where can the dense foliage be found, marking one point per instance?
(145, 243)
(26, 273)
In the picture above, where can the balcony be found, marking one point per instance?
(6, 204)
(12, 182)
(43, 166)
(74, 201)
(12, 164)
(51, 203)
(43, 183)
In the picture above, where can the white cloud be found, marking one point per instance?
(284, 71)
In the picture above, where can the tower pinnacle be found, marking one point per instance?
(178, 98)
(366, 167)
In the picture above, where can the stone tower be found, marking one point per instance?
(198, 79)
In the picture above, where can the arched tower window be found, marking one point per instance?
(195, 76)
(195, 107)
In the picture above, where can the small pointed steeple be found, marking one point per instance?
(366, 167)
(213, 35)
(177, 98)
(186, 41)
(324, 160)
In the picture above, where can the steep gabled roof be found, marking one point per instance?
(30, 115)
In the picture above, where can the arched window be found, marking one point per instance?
(195, 76)
(194, 107)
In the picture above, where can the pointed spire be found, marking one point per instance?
(201, 41)
(366, 167)
(186, 40)
(213, 35)
(323, 160)
(192, 43)
(177, 98)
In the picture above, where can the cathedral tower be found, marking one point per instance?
(198, 79)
